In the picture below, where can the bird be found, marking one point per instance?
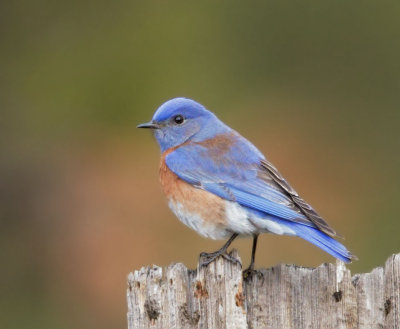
(220, 185)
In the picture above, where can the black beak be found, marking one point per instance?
(150, 125)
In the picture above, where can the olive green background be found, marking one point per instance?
(313, 84)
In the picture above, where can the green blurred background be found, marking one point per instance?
(314, 84)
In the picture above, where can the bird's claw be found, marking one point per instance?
(250, 272)
(208, 258)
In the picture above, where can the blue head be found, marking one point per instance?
(181, 119)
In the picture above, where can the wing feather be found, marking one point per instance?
(305, 208)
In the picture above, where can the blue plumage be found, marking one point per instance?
(323, 241)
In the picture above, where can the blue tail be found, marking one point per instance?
(323, 241)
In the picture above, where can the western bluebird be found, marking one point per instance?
(221, 186)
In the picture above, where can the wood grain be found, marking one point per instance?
(284, 296)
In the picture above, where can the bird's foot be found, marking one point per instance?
(249, 272)
(207, 258)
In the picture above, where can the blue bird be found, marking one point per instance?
(220, 185)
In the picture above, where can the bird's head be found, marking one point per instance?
(180, 119)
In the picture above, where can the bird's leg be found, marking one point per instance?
(207, 258)
(250, 270)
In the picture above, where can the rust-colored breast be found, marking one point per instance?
(209, 207)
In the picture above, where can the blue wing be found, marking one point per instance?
(240, 173)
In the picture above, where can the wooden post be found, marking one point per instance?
(284, 296)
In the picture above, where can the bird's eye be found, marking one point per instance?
(178, 119)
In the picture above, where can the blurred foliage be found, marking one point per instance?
(314, 84)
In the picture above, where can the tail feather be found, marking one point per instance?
(325, 242)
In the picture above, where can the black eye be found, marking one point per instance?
(178, 119)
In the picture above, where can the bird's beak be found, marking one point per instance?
(150, 125)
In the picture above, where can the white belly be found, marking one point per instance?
(237, 220)
(207, 227)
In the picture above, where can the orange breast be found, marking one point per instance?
(209, 207)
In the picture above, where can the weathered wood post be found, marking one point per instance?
(284, 296)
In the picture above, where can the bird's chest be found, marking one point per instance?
(200, 210)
